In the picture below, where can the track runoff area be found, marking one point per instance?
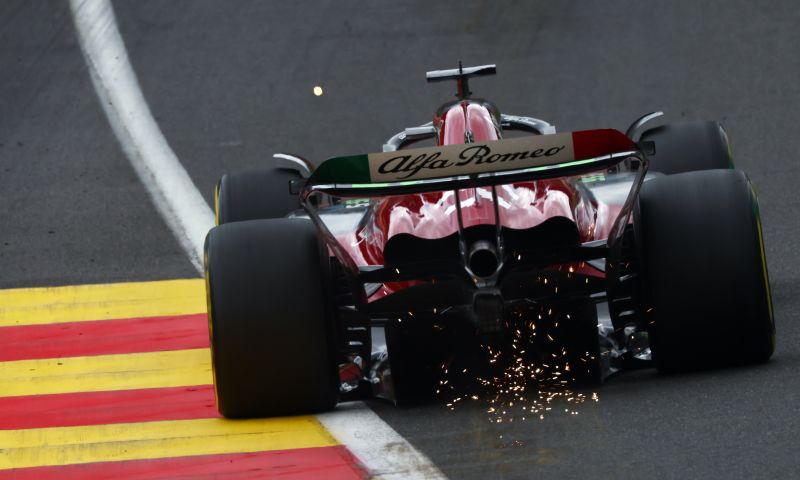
(114, 381)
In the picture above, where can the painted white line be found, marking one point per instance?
(387, 455)
(381, 449)
(175, 196)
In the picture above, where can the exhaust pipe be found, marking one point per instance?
(483, 259)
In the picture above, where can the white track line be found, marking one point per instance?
(381, 449)
(175, 196)
(387, 455)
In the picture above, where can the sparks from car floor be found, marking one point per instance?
(521, 389)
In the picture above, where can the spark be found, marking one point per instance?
(505, 394)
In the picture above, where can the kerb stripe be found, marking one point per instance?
(104, 337)
(106, 372)
(94, 386)
(35, 306)
(96, 408)
(330, 463)
(147, 440)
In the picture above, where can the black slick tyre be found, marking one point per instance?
(688, 146)
(269, 320)
(255, 194)
(707, 295)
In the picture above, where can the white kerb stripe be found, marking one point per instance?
(175, 196)
(387, 455)
(382, 450)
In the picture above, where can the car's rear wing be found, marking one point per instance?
(472, 164)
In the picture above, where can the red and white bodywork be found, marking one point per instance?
(433, 215)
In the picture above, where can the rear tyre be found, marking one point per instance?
(255, 194)
(705, 276)
(268, 319)
(688, 146)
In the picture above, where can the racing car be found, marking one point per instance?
(620, 250)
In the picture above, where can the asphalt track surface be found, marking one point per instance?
(231, 82)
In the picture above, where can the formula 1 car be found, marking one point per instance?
(606, 250)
